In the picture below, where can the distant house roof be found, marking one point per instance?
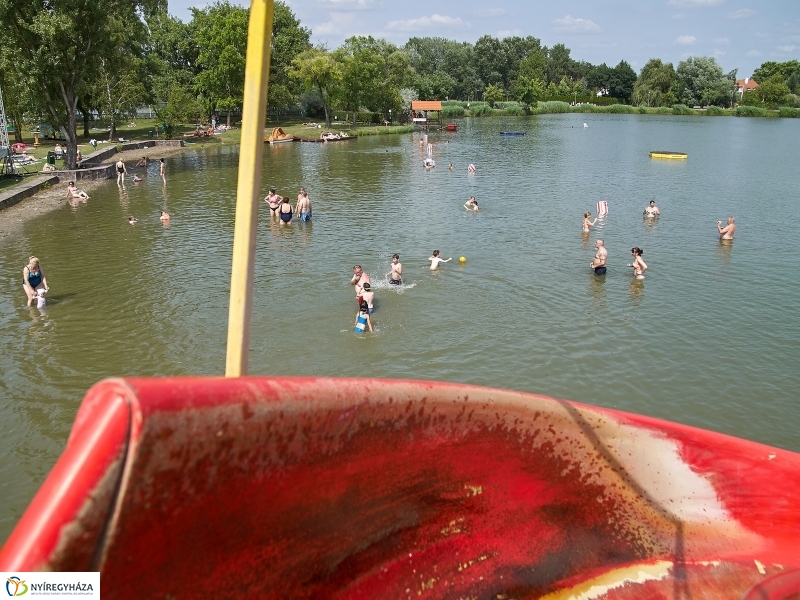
(426, 105)
(746, 85)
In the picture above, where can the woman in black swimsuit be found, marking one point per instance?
(285, 212)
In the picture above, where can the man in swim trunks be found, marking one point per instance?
(358, 280)
(652, 210)
(274, 202)
(303, 207)
(368, 296)
(396, 271)
(726, 233)
(599, 262)
(285, 212)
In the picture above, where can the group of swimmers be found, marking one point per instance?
(122, 170)
(281, 208)
(651, 211)
(363, 286)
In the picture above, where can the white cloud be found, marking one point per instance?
(743, 13)
(345, 4)
(722, 41)
(489, 12)
(787, 48)
(504, 33)
(698, 3)
(571, 24)
(686, 40)
(434, 21)
(340, 24)
(754, 53)
(678, 15)
(718, 52)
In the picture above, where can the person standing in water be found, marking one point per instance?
(726, 233)
(651, 210)
(435, 260)
(121, 170)
(586, 222)
(285, 212)
(303, 206)
(162, 169)
(362, 318)
(358, 280)
(396, 271)
(600, 257)
(274, 202)
(638, 264)
(368, 296)
(33, 279)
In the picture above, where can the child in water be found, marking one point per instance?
(362, 318)
(471, 204)
(435, 260)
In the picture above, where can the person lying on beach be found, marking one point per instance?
(471, 204)
(435, 260)
(74, 192)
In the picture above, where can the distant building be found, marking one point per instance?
(745, 85)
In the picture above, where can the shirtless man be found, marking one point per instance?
(358, 280)
(303, 206)
(121, 170)
(396, 271)
(726, 233)
(652, 210)
(599, 262)
(274, 202)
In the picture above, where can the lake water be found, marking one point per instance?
(710, 338)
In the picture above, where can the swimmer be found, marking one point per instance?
(421, 143)
(638, 264)
(429, 163)
(162, 170)
(132, 219)
(471, 204)
(362, 318)
(303, 206)
(136, 179)
(368, 296)
(600, 257)
(358, 280)
(396, 271)
(285, 212)
(121, 171)
(651, 210)
(274, 202)
(142, 163)
(74, 192)
(435, 260)
(33, 279)
(726, 233)
(450, 168)
(164, 217)
(586, 222)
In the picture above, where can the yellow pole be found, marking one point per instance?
(256, 78)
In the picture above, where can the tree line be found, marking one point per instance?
(63, 61)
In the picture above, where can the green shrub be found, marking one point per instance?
(454, 103)
(480, 109)
(750, 111)
(643, 110)
(515, 110)
(621, 109)
(663, 110)
(552, 107)
(788, 111)
(601, 109)
(714, 111)
(450, 111)
(681, 109)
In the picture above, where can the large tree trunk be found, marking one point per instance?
(112, 131)
(229, 117)
(70, 130)
(86, 132)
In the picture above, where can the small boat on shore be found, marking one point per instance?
(278, 136)
(512, 133)
(667, 154)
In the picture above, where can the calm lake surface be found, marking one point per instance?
(710, 338)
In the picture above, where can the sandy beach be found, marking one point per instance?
(55, 196)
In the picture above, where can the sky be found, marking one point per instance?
(740, 34)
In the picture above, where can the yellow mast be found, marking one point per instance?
(256, 79)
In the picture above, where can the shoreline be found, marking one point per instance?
(55, 196)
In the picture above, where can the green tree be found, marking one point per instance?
(171, 55)
(623, 78)
(19, 97)
(61, 44)
(220, 32)
(771, 93)
(528, 90)
(534, 65)
(181, 107)
(599, 79)
(119, 89)
(770, 69)
(704, 82)
(491, 61)
(318, 70)
(434, 87)
(361, 66)
(654, 85)
(289, 39)
(559, 64)
(494, 93)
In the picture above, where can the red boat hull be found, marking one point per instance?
(312, 488)
(451, 127)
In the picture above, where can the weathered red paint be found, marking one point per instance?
(341, 488)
